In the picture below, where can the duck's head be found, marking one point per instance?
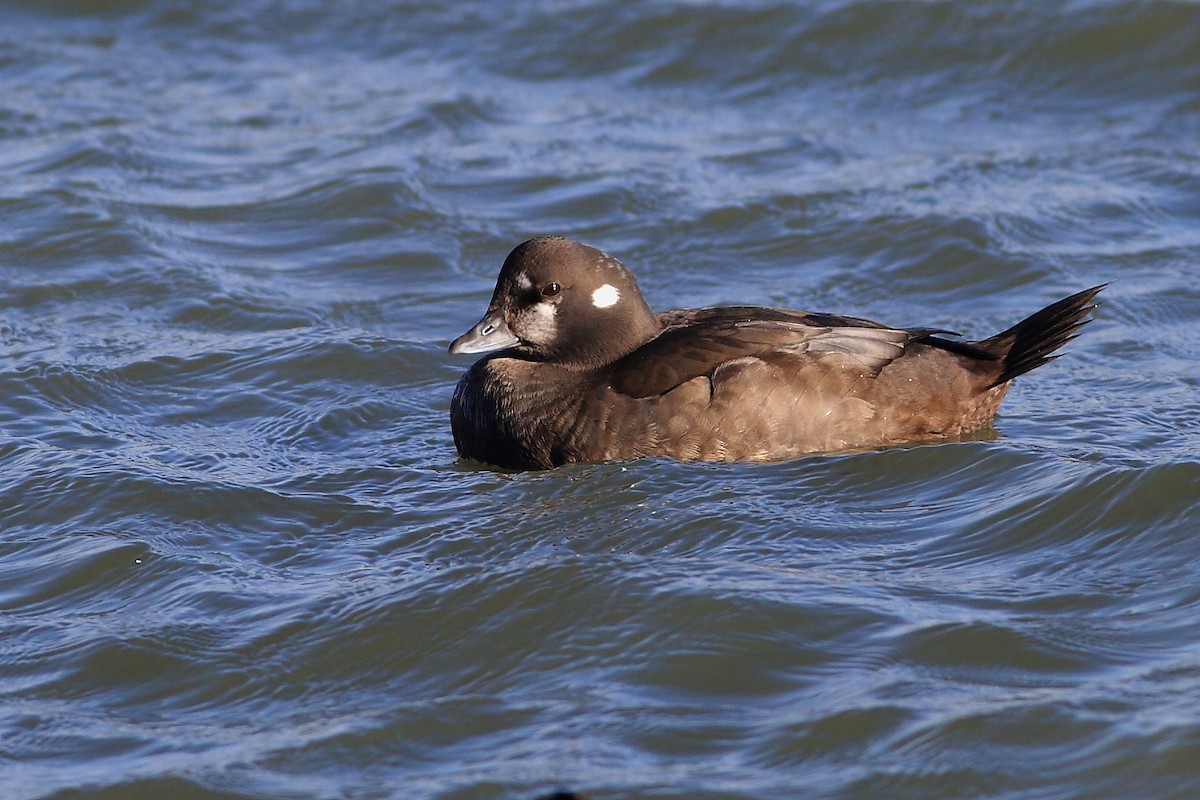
(564, 302)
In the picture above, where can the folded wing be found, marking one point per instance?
(696, 342)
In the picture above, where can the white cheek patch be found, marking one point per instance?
(524, 282)
(606, 296)
(539, 325)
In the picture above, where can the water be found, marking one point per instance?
(239, 558)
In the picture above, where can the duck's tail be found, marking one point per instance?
(1032, 341)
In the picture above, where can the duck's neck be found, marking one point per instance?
(628, 331)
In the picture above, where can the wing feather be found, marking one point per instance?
(696, 342)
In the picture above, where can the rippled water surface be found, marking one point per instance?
(239, 557)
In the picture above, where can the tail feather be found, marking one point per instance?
(1032, 341)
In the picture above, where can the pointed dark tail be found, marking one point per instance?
(1032, 341)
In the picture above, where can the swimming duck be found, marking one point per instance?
(580, 369)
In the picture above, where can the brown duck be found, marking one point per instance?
(584, 371)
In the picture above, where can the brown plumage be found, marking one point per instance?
(585, 371)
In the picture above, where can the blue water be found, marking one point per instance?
(239, 557)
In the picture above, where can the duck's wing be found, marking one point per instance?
(696, 342)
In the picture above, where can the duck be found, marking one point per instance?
(577, 368)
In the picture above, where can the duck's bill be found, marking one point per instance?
(490, 333)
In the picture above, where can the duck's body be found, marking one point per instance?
(586, 372)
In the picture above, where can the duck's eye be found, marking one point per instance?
(551, 289)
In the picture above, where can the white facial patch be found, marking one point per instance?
(524, 282)
(539, 324)
(606, 296)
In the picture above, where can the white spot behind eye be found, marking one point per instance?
(607, 295)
